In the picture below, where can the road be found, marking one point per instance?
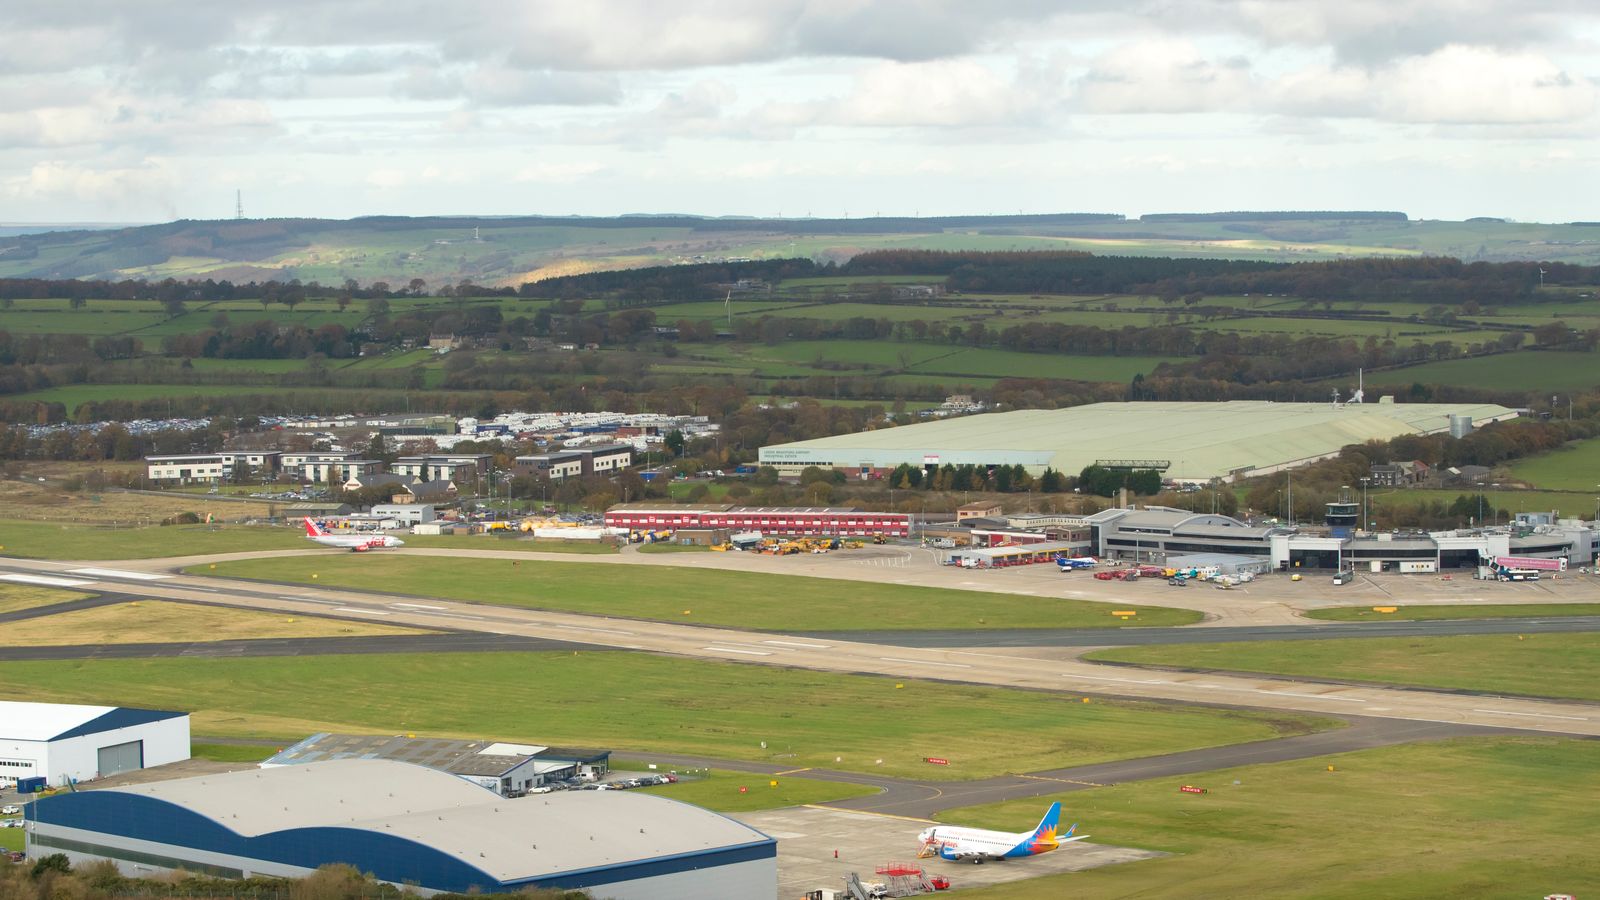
(975, 665)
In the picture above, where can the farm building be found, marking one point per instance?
(771, 520)
(501, 767)
(1195, 442)
(64, 742)
(409, 825)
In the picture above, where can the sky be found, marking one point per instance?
(149, 111)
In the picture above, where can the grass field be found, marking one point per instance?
(11, 839)
(496, 542)
(73, 394)
(1569, 504)
(1547, 371)
(1434, 613)
(712, 597)
(1014, 364)
(1575, 467)
(666, 547)
(153, 621)
(41, 541)
(1564, 666)
(649, 703)
(1469, 818)
(718, 790)
(230, 753)
(17, 597)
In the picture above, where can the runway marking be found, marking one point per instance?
(799, 644)
(737, 650)
(202, 590)
(925, 662)
(1507, 712)
(47, 580)
(1064, 780)
(1109, 678)
(310, 600)
(601, 630)
(1293, 694)
(866, 812)
(365, 612)
(118, 573)
(450, 615)
(417, 606)
(793, 771)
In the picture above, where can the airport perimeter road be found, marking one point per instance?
(977, 666)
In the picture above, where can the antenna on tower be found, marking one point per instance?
(1361, 386)
(727, 304)
(238, 208)
(1541, 277)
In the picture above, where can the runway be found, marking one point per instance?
(855, 654)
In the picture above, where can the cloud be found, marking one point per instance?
(55, 181)
(558, 173)
(1162, 76)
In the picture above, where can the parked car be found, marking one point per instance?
(10, 810)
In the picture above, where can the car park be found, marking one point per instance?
(10, 810)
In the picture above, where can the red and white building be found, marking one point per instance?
(774, 520)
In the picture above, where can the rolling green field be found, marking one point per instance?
(1551, 371)
(1435, 613)
(1468, 818)
(42, 541)
(11, 839)
(73, 394)
(1569, 504)
(231, 753)
(650, 704)
(1565, 666)
(1575, 467)
(710, 596)
(1014, 364)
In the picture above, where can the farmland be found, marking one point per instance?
(1571, 468)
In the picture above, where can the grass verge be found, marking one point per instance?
(230, 753)
(11, 839)
(41, 541)
(650, 703)
(156, 621)
(718, 790)
(1433, 613)
(1564, 666)
(1480, 817)
(710, 596)
(17, 597)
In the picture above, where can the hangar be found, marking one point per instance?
(63, 742)
(1198, 441)
(409, 825)
(505, 768)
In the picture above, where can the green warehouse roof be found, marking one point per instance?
(1201, 440)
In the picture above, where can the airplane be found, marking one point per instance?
(1068, 563)
(359, 543)
(976, 844)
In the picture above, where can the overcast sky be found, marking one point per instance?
(113, 110)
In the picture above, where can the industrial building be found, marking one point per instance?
(773, 520)
(63, 742)
(1160, 534)
(1191, 442)
(505, 768)
(576, 461)
(409, 825)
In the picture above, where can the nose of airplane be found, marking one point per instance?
(399, 543)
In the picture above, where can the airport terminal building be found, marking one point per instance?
(409, 826)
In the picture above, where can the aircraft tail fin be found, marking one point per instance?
(1042, 838)
(311, 528)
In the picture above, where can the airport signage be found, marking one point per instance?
(936, 760)
(1191, 789)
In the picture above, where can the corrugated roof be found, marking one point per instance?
(507, 839)
(1202, 440)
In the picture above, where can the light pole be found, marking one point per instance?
(1365, 522)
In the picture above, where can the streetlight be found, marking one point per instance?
(1365, 522)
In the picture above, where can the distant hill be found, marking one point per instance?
(513, 250)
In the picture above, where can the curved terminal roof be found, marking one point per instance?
(508, 839)
(1201, 440)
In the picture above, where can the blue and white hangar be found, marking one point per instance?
(409, 825)
(66, 742)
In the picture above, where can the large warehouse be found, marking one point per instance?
(63, 742)
(413, 825)
(1200, 441)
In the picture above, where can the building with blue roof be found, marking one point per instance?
(65, 742)
(409, 825)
